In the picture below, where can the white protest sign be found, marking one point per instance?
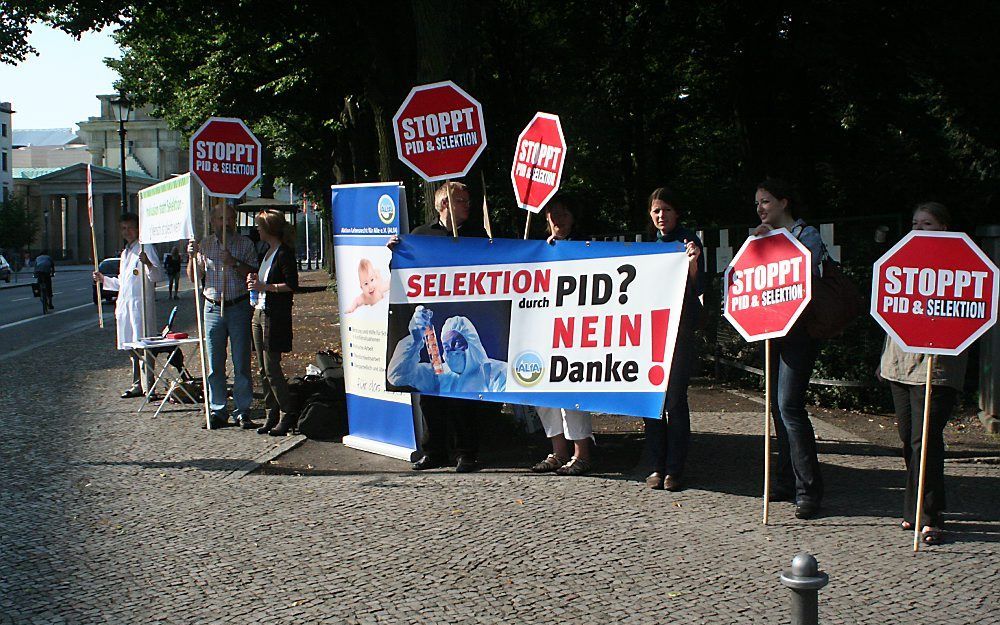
(165, 211)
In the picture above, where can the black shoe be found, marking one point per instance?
(464, 464)
(427, 462)
(777, 495)
(287, 422)
(217, 424)
(806, 510)
(135, 391)
(245, 423)
(268, 425)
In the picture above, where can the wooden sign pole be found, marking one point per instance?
(767, 427)
(925, 430)
(451, 212)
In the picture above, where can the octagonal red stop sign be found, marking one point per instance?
(934, 292)
(225, 156)
(439, 131)
(538, 162)
(768, 285)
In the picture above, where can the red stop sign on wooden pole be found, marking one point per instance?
(768, 285)
(439, 131)
(538, 162)
(935, 292)
(225, 157)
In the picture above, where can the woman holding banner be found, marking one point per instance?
(273, 284)
(797, 472)
(906, 374)
(566, 428)
(667, 438)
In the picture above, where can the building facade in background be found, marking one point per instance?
(151, 148)
(48, 147)
(51, 174)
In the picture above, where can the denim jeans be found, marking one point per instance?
(234, 326)
(667, 440)
(797, 466)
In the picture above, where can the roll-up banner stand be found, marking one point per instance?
(364, 217)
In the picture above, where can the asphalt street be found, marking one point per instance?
(23, 326)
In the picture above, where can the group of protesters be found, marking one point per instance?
(248, 299)
(247, 304)
(797, 475)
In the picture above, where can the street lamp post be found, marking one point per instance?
(122, 109)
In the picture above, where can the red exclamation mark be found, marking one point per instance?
(661, 320)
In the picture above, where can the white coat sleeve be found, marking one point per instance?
(111, 284)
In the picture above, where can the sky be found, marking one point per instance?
(58, 88)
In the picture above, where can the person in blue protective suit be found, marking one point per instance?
(466, 368)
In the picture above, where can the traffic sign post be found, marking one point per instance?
(538, 163)
(768, 286)
(934, 293)
(225, 157)
(440, 133)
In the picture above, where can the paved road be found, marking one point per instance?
(112, 517)
(23, 327)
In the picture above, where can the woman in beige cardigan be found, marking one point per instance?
(906, 374)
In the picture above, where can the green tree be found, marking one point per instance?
(18, 225)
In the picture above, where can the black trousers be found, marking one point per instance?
(451, 424)
(908, 400)
(668, 440)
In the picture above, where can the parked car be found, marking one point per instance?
(108, 267)
(5, 270)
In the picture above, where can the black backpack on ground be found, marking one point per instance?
(322, 406)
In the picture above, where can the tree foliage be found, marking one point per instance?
(18, 225)
(869, 107)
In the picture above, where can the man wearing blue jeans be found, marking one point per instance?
(224, 269)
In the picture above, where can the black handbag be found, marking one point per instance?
(836, 301)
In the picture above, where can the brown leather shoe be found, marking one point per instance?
(654, 481)
(673, 483)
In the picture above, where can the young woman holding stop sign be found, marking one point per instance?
(906, 374)
(797, 473)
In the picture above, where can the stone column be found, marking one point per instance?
(99, 224)
(73, 227)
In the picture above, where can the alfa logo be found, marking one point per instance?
(528, 368)
(386, 210)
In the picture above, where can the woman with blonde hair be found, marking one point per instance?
(274, 284)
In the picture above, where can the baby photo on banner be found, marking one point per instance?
(584, 325)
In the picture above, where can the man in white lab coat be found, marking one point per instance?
(129, 309)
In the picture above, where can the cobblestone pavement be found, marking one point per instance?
(112, 517)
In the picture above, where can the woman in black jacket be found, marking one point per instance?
(273, 285)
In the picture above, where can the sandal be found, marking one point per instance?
(551, 463)
(575, 466)
(906, 526)
(931, 536)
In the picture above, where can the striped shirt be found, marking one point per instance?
(241, 248)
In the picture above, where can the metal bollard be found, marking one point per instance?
(804, 579)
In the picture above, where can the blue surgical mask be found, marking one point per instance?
(455, 360)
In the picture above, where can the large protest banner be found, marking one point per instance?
(165, 211)
(364, 217)
(579, 325)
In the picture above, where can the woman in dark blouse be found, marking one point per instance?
(273, 284)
